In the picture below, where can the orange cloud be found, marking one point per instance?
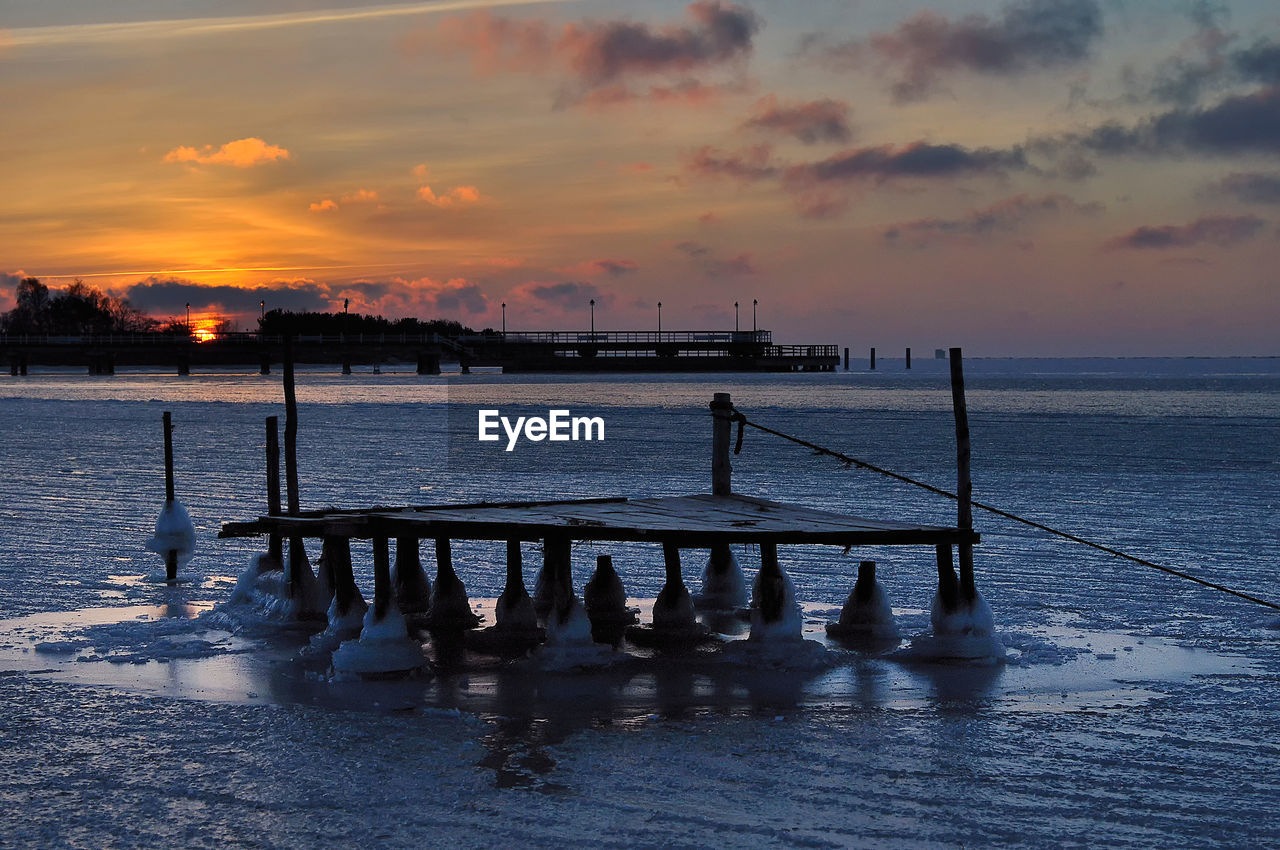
(420, 171)
(323, 206)
(242, 153)
(455, 196)
(457, 298)
(360, 196)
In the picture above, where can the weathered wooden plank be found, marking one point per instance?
(692, 521)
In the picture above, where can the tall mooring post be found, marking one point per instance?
(275, 544)
(170, 557)
(873, 358)
(846, 358)
(964, 484)
(908, 358)
(721, 430)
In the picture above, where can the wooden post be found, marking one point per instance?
(671, 560)
(721, 428)
(171, 557)
(873, 358)
(964, 484)
(948, 586)
(908, 358)
(275, 545)
(515, 569)
(846, 358)
(770, 587)
(337, 562)
(290, 429)
(381, 577)
(168, 458)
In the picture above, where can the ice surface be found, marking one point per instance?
(1049, 751)
(174, 531)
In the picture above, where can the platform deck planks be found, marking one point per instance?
(694, 521)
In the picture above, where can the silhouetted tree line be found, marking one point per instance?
(79, 309)
(333, 324)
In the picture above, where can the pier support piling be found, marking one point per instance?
(450, 607)
(409, 581)
(553, 590)
(515, 609)
(908, 358)
(382, 595)
(673, 609)
(873, 359)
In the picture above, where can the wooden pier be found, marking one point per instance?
(673, 523)
(541, 351)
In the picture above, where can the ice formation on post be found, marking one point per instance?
(606, 602)
(866, 615)
(963, 624)
(723, 585)
(174, 532)
(569, 643)
(383, 648)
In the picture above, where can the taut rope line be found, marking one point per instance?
(848, 461)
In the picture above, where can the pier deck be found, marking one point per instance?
(693, 521)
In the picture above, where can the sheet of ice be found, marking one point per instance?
(174, 531)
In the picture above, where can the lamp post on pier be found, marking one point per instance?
(593, 318)
(659, 321)
(188, 318)
(504, 320)
(735, 317)
(754, 303)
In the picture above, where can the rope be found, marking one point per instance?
(848, 461)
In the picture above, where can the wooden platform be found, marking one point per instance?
(692, 521)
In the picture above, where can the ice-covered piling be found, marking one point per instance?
(866, 615)
(775, 613)
(175, 537)
(450, 607)
(346, 612)
(554, 587)
(409, 582)
(516, 630)
(675, 624)
(515, 608)
(606, 602)
(724, 587)
(384, 646)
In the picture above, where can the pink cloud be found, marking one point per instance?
(456, 196)
(598, 56)
(457, 298)
(242, 153)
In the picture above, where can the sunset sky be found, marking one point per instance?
(1029, 177)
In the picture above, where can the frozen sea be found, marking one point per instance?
(1135, 710)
